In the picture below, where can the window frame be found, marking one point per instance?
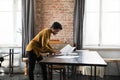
(98, 46)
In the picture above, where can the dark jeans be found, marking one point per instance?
(32, 58)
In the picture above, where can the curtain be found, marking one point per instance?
(27, 23)
(78, 23)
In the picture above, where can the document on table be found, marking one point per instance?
(67, 52)
(68, 49)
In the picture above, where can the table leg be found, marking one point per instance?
(68, 72)
(10, 61)
(50, 72)
(91, 73)
(94, 72)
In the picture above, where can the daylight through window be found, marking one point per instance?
(10, 23)
(102, 23)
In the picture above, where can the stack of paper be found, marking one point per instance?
(68, 49)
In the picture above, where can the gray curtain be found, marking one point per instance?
(27, 23)
(78, 23)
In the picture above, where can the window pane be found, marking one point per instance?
(92, 5)
(19, 29)
(6, 27)
(6, 5)
(91, 33)
(102, 23)
(19, 5)
(111, 5)
(111, 29)
(10, 23)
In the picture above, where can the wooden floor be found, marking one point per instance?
(55, 77)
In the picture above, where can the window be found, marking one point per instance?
(10, 23)
(102, 23)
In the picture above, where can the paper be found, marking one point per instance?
(68, 49)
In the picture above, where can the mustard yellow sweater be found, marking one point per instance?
(40, 43)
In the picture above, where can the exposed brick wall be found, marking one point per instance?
(48, 11)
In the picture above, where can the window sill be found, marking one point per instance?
(9, 46)
(102, 47)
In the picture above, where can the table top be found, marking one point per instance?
(89, 58)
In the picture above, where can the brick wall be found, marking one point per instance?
(48, 11)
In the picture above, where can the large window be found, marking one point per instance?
(102, 23)
(10, 23)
